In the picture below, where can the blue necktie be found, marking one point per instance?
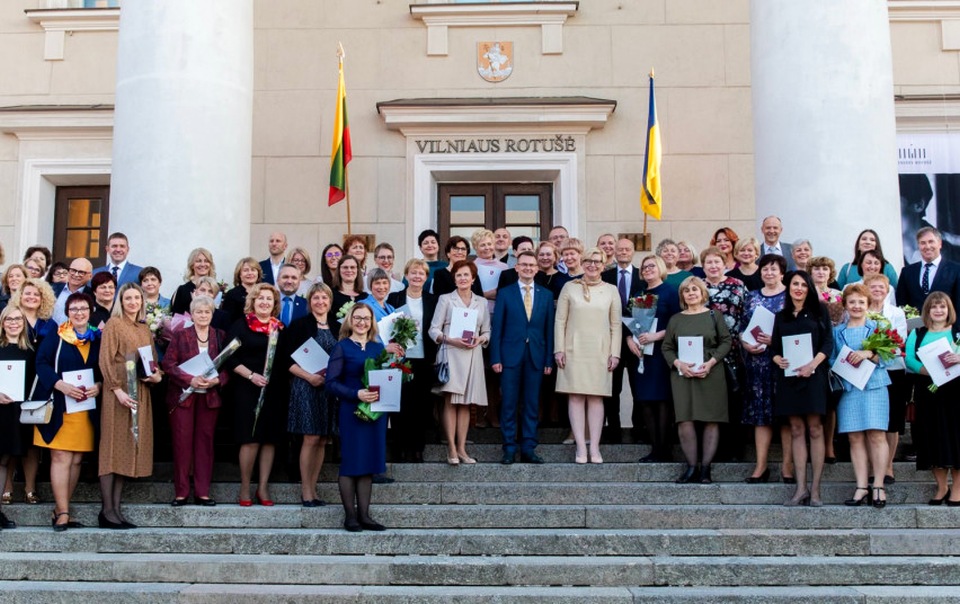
(622, 287)
(287, 309)
(925, 281)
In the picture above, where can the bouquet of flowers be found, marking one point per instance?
(384, 360)
(882, 322)
(405, 330)
(131, 368)
(272, 340)
(910, 312)
(886, 342)
(643, 312)
(156, 314)
(344, 310)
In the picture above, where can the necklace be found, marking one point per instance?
(201, 340)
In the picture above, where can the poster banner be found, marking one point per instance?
(929, 168)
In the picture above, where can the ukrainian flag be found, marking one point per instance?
(651, 196)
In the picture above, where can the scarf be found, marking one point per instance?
(257, 326)
(82, 341)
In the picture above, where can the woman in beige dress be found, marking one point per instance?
(466, 384)
(122, 455)
(587, 336)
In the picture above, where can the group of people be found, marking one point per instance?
(505, 327)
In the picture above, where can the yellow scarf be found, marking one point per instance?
(69, 335)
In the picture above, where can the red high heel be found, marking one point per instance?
(263, 502)
(244, 503)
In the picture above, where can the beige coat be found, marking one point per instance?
(118, 455)
(588, 333)
(466, 385)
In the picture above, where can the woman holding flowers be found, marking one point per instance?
(193, 415)
(75, 347)
(363, 442)
(312, 413)
(863, 414)
(891, 317)
(652, 404)
(259, 415)
(126, 419)
(802, 392)
(937, 426)
(466, 385)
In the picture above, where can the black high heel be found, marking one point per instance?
(105, 523)
(689, 475)
(765, 477)
(877, 502)
(854, 502)
(705, 477)
(939, 501)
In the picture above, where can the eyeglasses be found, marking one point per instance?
(74, 271)
(78, 309)
(13, 319)
(648, 267)
(593, 261)
(459, 249)
(357, 319)
(384, 258)
(333, 254)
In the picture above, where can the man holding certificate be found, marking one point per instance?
(802, 340)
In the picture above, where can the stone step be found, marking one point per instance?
(20, 592)
(442, 516)
(544, 571)
(583, 492)
(829, 542)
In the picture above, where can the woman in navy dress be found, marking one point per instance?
(651, 389)
(363, 444)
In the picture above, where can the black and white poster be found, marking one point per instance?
(929, 168)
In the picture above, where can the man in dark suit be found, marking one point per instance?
(932, 274)
(771, 227)
(626, 278)
(123, 271)
(521, 350)
(271, 266)
(78, 276)
(292, 306)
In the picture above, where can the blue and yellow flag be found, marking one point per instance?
(651, 197)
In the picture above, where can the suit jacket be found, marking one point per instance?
(947, 280)
(512, 333)
(786, 248)
(300, 307)
(58, 289)
(267, 271)
(183, 347)
(637, 285)
(129, 274)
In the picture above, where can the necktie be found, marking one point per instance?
(114, 271)
(287, 305)
(622, 287)
(925, 280)
(527, 301)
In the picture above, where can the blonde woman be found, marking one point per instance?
(299, 257)
(199, 264)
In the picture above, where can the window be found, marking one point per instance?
(80, 223)
(524, 209)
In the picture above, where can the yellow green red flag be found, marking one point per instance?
(341, 154)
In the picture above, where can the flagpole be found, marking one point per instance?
(346, 173)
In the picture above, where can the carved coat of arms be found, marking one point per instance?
(495, 60)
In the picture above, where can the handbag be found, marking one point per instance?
(441, 369)
(36, 412)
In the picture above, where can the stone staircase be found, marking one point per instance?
(618, 532)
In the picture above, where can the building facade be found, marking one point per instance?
(187, 124)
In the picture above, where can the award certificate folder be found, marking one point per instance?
(81, 379)
(489, 276)
(12, 377)
(388, 380)
(146, 357)
(761, 321)
(311, 357)
(930, 355)
(463, 320)
(199, 365)
(798, 350)
(690, 350)
(856, 375)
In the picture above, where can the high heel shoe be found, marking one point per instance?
(463, 459)
(939, 501)
(953, 504)
(262, 501)
(881, 503)
(689, 475)
(705, 477)
(453, 461)
(854, 502)
(797, 501)
(245, 503)
(765, 477)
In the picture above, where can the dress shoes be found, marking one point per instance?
(178, 502)
(689, 475)
(705, 477)
(312, 503)
(6, 523)
(105, 523)
(765, 477)
(370, 525)
(531, 457)
(940, 501)
(205, 501)
(508, 459)
(352, 526)
(953, 504)
(261, 500)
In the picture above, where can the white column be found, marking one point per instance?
(824, 128)
(182, 134)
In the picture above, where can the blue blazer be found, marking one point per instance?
(299, 307)
(129, 274)
(267, 269)
(947, 280)
(512, 333)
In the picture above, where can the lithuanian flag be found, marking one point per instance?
(651, 196)
(341, 154)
